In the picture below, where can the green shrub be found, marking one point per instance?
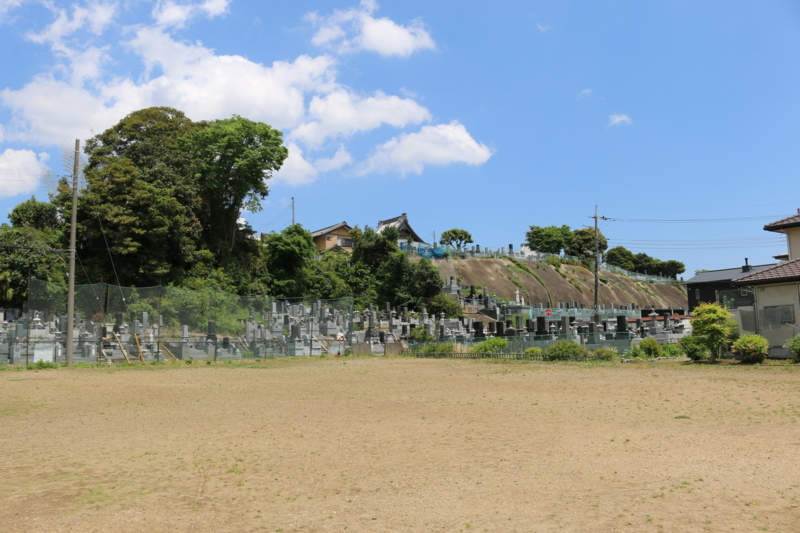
(634, 352)
(533, 350)
(752, 348)
(436, 347)
(41, 365)
(694, 348)
(650, 347)
(606, 353)
(442, 304)
(565, 349)
(671, 350)
(419, 334)
(491, 345)
(554, 261)
(793, 345)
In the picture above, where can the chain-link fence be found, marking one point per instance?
(439, 252)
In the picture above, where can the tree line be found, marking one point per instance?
(580, 243)
(162, 206)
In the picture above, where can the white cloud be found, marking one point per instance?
(615, 120)
(343, 113)
(168, 13)
(586, 93)
(341, 158)
(432, 145)
(355, 29)
(79, 98)
(8, 5)
(542, 28)
(95, 16)
(296, 170)
(20, 171)
(195, 80)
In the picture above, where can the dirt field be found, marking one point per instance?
(401, 445)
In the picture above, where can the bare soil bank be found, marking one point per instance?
(502, 277)
(401, 445)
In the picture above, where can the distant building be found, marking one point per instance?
(332, 238)
(717, 285)
(407, 233)
(774, 314)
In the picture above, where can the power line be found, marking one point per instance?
(697, 220)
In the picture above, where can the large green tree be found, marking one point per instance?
(164, 195)
(288, 255)
(456, 238)
(549, 239)
(24, 250)
(621, 257)
(35, 214)
(235, 157)
(582, 244)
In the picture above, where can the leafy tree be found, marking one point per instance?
(23, 249)
(621, 257)
(147, 230)
(456, 238)
(442, 304)
(672, 268)
(644, 263)
(235, 156)
(372, 248)
(711, 326)
(549, 239)
(35, 214)
(582, 243)
(288, 254)
(401, 282)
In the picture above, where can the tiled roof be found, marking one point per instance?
(723, 275)
(788, 222)
(329, 229)
(788, 271)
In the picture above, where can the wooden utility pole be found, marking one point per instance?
(596, 265)
(72, 245)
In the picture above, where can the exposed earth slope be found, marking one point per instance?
(542, 283)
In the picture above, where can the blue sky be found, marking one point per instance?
(487, 116)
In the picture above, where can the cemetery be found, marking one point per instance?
(116, 324)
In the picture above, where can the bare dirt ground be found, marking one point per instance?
(401, 445)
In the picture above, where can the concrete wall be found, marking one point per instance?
(769, 297)
(793, 238)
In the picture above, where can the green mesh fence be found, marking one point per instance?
(103, 303)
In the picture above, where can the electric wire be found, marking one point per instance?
(119, 285)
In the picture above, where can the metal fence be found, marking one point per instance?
(517, 345)
(104, 303)
(440, 252)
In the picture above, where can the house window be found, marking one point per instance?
(773, 316)
(347, 243)
(329, 238)
(697, 294)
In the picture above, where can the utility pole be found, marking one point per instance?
(596, 265)
(72, 245)
(292, 210)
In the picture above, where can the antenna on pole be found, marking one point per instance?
(72, 239)
(292, 210)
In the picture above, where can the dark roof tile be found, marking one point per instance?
(788, 271)
(788, 222)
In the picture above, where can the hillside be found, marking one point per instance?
(503, 277)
